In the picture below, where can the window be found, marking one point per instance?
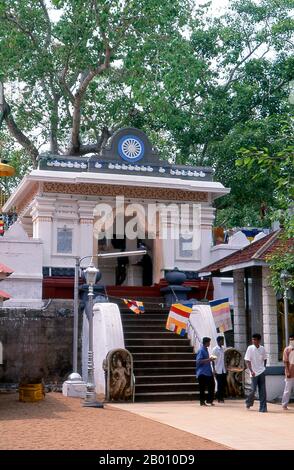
(64, 240)
(185, 247)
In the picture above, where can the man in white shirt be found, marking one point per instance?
(255, 358)
(219, 368)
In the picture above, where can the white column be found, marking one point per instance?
(240, 336)
(42, 217)
(270, 324)
(168, 222)
(207, 219)
(86, 234)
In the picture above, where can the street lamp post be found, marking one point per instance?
(76, 296)
(74, 380)
(90, 400)
(285, 277)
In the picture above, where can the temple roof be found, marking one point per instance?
(4, 295)
(254, 254)
(129, 159)
(5, 269)
(129, 151)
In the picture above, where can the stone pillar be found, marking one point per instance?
(42, 216)
(270, 324)
(86, 233)
(256, 307)
(240, 333)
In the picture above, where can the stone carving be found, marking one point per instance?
(118, 366)
(235, 378)
(131, 192)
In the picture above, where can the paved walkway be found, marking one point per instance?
(229, 424)
(62, 423)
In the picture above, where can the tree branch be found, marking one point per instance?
(75, 144)
(21, 138)
(47, 19)
(97, 146)
(231, 77)
(15, 21)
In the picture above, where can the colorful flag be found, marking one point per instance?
(221, 314)
(178, 318)
(134, 305)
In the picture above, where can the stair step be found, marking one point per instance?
(155, 349)
(167, 365)
(148, 322)
(164, 379)
(164, 356)
(145, 327)
(130, 343)
(164, 363)
(159, 334)
(145, 322)
(167, 387)
(160, 371)
(143, 316)
(166, 396)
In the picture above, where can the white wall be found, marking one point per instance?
(24, 256)
(223, 287)
(274, 386)
(107, 335)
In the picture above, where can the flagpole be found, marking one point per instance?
(207, 287)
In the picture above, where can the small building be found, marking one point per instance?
(256, 307)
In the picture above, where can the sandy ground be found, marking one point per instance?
(60, 422)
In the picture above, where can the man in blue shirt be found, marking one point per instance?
(204, 373)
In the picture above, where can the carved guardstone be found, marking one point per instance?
(234, 363)
(120, 384)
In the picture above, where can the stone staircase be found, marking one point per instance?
(164, 363)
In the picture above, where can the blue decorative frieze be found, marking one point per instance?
(95, 164)
(63, 164)
(128, 151)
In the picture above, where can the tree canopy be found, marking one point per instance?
(202, 87)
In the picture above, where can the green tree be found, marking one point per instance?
(276, 163)
(73, 74)
(202, 87)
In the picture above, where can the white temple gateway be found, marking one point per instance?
(57, 206)
(61, 207)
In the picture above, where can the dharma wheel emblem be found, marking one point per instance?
(131, 148)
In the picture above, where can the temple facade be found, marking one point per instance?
(61, 203)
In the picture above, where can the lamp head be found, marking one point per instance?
(91, 274)
(285, 276)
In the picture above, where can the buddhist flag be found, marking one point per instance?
(134, 305)
(178, 318)
(221, 314)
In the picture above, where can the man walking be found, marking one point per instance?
(255, 359)
(204, 373)
(219, 368)
(288, 359)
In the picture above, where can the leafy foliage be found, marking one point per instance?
(74, 71)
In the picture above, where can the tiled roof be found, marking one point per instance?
(4, 295)
(5, 269)
(257, 250)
